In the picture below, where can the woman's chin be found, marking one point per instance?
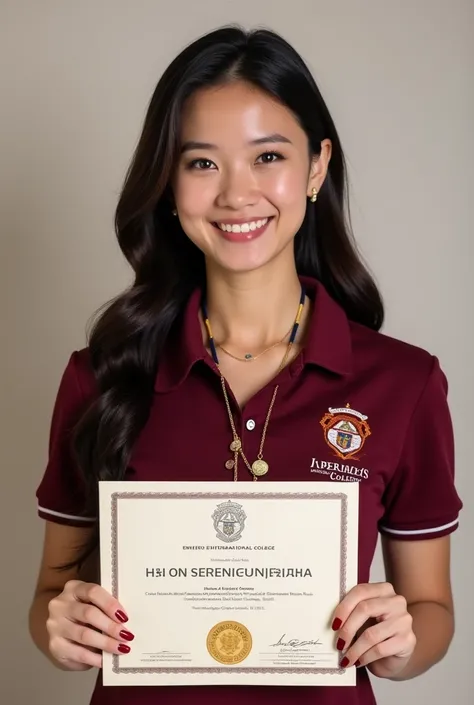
(241, 264)
(246, 257)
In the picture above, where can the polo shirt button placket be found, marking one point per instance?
(251, 439)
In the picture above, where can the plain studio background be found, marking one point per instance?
(75, 82)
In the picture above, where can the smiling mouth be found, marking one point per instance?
(250, 226)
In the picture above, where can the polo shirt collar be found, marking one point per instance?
(328, 344)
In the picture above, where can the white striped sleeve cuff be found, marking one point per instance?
(62, 518)
(426, 532)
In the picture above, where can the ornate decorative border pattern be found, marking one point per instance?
(334, 496)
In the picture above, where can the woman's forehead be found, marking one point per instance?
(238, 111)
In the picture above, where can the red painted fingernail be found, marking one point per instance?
(340, 644)
(127, 635)
(121, 616)
(357, 663)
(123, 648)
(344, 662)
(336, 624)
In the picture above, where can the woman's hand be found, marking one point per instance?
(77, 618)
(375, 629)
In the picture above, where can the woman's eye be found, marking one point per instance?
(270, 157)
(201, 164)
(206, 164)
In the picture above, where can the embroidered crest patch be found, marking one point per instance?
(345, 431)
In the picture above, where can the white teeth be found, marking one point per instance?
(243, 227)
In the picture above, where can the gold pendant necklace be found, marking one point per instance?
(248, 357)
(259, 467)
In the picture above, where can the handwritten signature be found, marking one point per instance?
(296, 642)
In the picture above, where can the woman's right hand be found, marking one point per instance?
(85, 620)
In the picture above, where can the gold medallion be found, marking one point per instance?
(229, 642)
(236, 445)
(259, 468)
(229, 464)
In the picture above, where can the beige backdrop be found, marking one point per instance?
(75, 81)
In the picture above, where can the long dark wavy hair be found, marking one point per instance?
(127, 338)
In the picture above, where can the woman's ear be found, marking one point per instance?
(319, 167)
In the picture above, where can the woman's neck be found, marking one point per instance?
(253, 310)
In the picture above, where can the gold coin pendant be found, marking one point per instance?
(229, 464)
(236, 445)
(259, 468)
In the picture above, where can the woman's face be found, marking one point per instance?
(244, 176)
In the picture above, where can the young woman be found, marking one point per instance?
(232, 215)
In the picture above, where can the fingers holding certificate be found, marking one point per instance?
(229, 585)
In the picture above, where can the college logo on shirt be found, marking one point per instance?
(345, 431)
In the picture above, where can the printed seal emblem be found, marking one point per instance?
(229, 521)
(345, 431)
(229, 642)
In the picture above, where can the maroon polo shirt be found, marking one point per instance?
(354, 406)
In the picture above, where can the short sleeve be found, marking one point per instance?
(61, 492)
(421, 500)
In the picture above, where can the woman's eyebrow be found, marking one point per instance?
(275, 138)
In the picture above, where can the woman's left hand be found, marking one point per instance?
(375, 629)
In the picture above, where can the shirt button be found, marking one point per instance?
(250, 425)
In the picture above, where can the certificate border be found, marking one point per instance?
(116, 668)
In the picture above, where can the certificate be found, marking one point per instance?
(229, 583)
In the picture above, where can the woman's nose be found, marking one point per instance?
(238, 190)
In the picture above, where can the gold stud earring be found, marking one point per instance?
(314, 195)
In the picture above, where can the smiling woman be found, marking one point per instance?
(250, 184)
(233, 217)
